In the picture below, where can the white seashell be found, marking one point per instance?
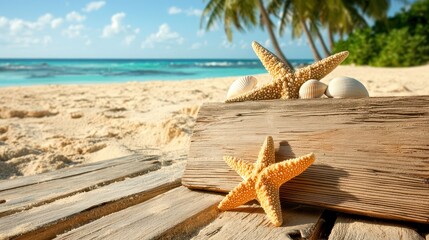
(312, 89)
(241, 85)
(346, 87)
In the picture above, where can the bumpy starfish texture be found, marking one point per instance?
(262, 180)
(286, 83)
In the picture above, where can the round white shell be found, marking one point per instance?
(241, 85)
(346, 87)
(312, 89)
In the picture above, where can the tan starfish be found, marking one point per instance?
(263, 179)
(286, 83)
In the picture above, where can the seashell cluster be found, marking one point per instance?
(346, 87)
(241, 85)
(340, 87)
(312, 89)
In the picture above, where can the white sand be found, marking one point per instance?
(43, 128)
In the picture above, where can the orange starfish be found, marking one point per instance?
(263, 179)
(286, 83)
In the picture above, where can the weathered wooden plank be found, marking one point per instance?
(27, 196)
(68, 172)
(48, 220)
(178, 212)
(250, 222)
(372, 155)
(347, 228)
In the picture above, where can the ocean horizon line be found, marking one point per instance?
(154, 59)
(35, 71)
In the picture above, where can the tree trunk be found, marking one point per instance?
(331, 38)
(267, 22)
(319, 35)
(311, 41)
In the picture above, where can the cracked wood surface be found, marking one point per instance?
(372, 154)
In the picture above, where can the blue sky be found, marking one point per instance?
(125, 29)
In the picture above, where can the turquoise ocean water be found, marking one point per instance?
(21, 72)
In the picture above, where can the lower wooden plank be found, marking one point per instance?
(250, 222)
(348, 228)
(175, 213)
(68, 172)
(28, 196)
(54, 218)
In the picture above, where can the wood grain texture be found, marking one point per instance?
(347, 228)
(47, 221)
(250, 222)
(372, 155)
(175, 213)
(81, 179)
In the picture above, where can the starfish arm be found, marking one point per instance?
(281, 172)
(320, 69)
(240, 195)
(275, 67)
(244, 169)
(270, 90)
(268, 197)
(266, 155)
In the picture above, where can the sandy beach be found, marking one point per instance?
(43, 128)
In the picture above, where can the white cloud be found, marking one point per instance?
(56, 23)
(88, 42)
(22, 33)
(73, 31)
(164, 36)
(198, 45)
(44, 19)
(20, 26)
(129, 39)
(115, 25)
(190, 11)
(267, 43)
(16, 25)
(75, 17)
(194, 12)
(174, 10)
(3, 22)
(93, 6)
(137, 30)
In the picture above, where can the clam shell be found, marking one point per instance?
(312, 89)
(241, 85)
(346, 87)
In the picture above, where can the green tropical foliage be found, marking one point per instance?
(401, 41)
(337, 16)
